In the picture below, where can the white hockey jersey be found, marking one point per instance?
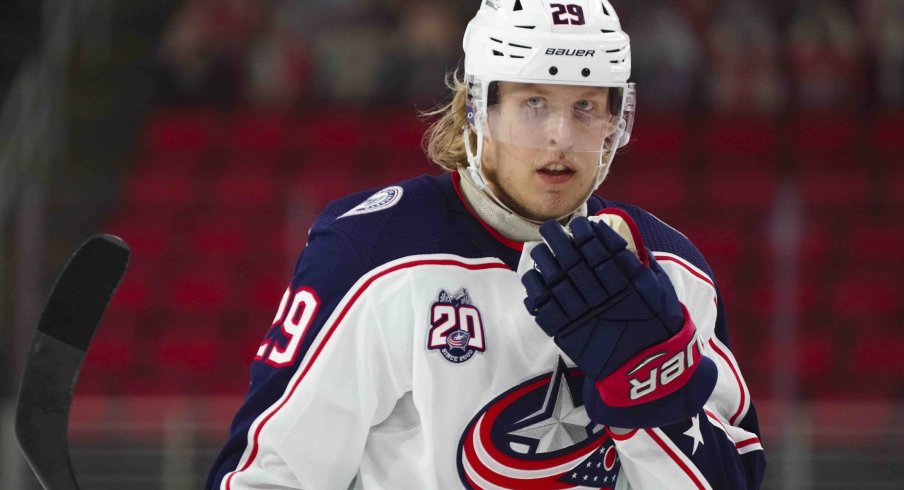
(402, 357)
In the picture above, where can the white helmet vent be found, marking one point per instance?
(517, 6)
(622, 50)
(627, 52)
(605, 10)
(519, 51)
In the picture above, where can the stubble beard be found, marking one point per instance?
(553, 207)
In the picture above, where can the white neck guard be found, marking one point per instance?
(508, 223)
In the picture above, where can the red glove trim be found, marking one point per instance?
(656, 371)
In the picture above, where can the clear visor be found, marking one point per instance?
(562, 118)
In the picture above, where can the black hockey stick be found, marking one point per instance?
(73, 311)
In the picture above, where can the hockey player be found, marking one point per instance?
(499, 326)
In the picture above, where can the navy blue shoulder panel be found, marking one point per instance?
(425, 217)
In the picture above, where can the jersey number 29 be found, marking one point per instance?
(295, 320)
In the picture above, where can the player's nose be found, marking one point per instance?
(560, 132)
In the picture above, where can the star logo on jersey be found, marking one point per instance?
(538, 435)
(561, 421)
(694, 433)
(456, 328)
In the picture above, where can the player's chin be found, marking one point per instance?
(560, 200)
(553, 205)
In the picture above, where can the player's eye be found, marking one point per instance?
(584, 105)
(535, 102)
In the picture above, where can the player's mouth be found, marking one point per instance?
(557, 172)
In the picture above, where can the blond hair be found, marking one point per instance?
(444, 143)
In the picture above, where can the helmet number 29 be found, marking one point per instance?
(567, 14)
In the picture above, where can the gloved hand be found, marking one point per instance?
(596, 298)
(612, 311)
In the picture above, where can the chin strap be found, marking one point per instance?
(474, 158)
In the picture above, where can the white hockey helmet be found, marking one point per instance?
(533, 42)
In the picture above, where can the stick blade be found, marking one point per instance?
(83, 290)
(67, 325)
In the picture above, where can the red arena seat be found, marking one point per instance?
(887, 133)
(728, 137)
(749, 187)
(658, 190)
(185, 361)
(813, 358)
(170, 187)
(659, 135)
(180, 131)
(824, 133)
(401, 130)
(877, 364)
(198, 290)
(147, 231)
(247, 186)
(835, 190)
(332, 131)
(762, 297)
(256, 133)
(894, 190)
(213, 239)
(722, 243)
(134, 291)
(112, 352)
(880, 243)
(868, 296)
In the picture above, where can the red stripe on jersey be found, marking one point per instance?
(675, 458)
(747, 442)
(456, 178)
(723, 355)
(329, 333)
(739, 445)
(715, 418)
(621, 437)
(684, 264)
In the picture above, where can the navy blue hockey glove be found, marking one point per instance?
(616, 315)
(592, 294)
